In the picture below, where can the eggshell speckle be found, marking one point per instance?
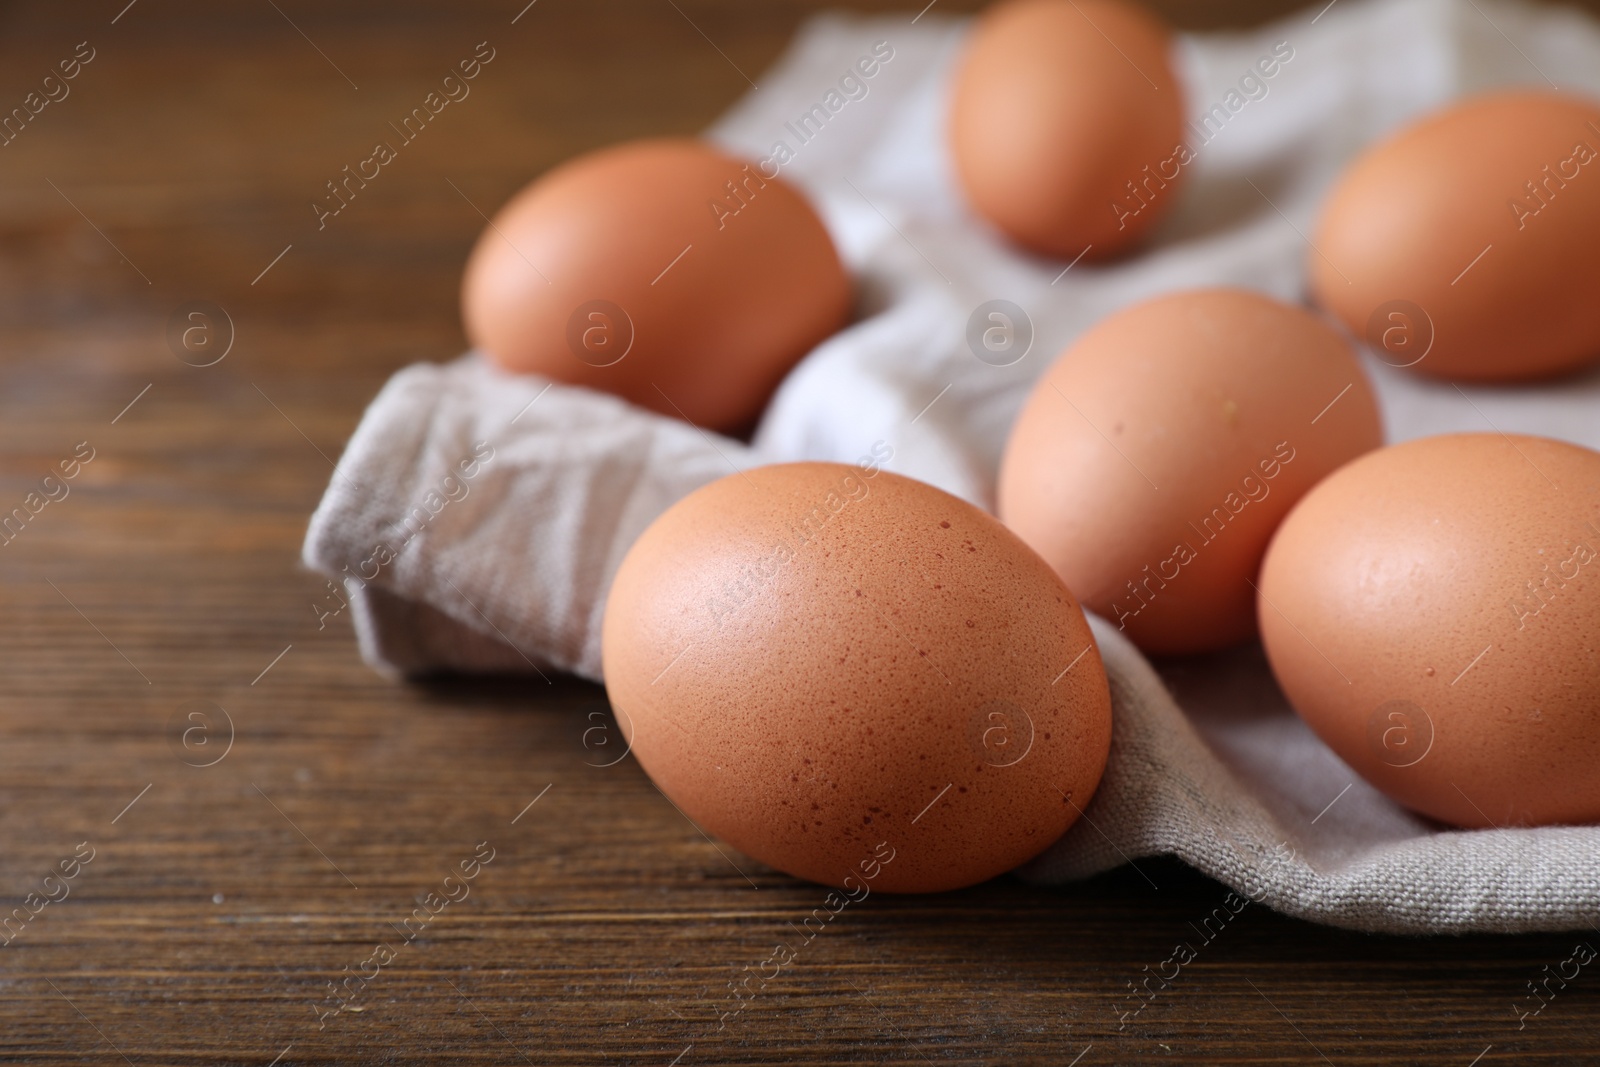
(1155, 458)
(1432, 611)
(824, 665)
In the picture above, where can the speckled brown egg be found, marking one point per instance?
(1468, 245)
(1432, 610)
(1156, 457)
(1066, 124)
(856, 678)
(663, 271)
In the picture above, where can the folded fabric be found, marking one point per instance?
(476, 518)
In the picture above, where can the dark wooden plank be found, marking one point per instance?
(606, 929)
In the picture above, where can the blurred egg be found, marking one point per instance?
(665, 272)
(827, 665)
(1468, 245)
(1432, 611)
(1155, 458)
(1066, 124)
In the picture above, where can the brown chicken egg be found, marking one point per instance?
(1432, 611)
(1066, 124)
(856, 678)
(1155, 458)
(1468, 245)
(666, 272)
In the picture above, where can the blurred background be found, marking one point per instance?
(183, 701)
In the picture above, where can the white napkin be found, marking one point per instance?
(476, 519)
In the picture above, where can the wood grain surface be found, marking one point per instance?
(264, 813)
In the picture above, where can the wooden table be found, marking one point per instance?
(243, 860)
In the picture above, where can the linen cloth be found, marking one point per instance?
(476, 518)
